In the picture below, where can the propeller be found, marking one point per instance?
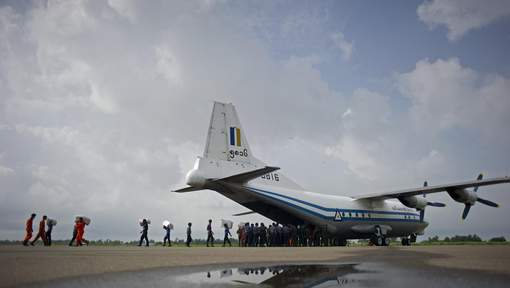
(487, 202)
(480, 177)
(433, 204)
(466, 210)
(478, 199)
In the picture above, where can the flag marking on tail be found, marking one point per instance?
(235, 136)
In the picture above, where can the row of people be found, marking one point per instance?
(44, 233)
(167, 227)
(249, 235)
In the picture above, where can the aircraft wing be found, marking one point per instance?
(434, 189)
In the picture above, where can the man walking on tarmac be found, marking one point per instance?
(29, 229)
(144, 231)
(188, 235)
(75, 232)
(210, 234)
(50, 225)
(42, 231)
(227, 233)
(167, 235)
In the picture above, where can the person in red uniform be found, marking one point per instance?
(80, 228)
(42, 231)
(29, 229)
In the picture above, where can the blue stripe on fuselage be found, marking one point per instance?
(262, 192)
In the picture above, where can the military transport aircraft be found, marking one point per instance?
(229, 167)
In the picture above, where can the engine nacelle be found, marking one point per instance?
(463, 196)
(414, 202)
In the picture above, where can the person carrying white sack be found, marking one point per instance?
(167, 226)
(50, 223)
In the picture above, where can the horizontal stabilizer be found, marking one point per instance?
(187, 189)
(244, 213)
(247, 176)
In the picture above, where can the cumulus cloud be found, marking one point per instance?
(345, 47)
(461, 16)
(125, 8)
(447, 101)
(5, 171)
(446, 95)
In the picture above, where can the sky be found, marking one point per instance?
(104, 105)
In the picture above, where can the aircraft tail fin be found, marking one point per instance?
(228, 157)
(226, 139)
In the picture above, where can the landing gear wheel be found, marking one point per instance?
(413, 238)
(405, 241)
(378, 238)
(386, 241)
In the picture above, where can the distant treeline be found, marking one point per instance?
(463, 238)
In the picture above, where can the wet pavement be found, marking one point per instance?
(370, 274)
(415, 267)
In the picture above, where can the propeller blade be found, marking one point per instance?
(487, 202)
(480, 177)
(436, 204)
(466, 211)
(425, 184)
(422, 215)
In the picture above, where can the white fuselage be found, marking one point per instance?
(343, 216)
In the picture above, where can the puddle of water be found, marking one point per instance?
(315, 275)
(298, 275)
(289, 275)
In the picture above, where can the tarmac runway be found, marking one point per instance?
(419, 266)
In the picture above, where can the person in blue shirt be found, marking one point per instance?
(227, 233)
(167, 235)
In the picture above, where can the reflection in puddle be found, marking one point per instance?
(322, 275)
(295, 275)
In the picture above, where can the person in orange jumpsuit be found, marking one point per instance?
(29, 229)
(42, 231)
(80, 227)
